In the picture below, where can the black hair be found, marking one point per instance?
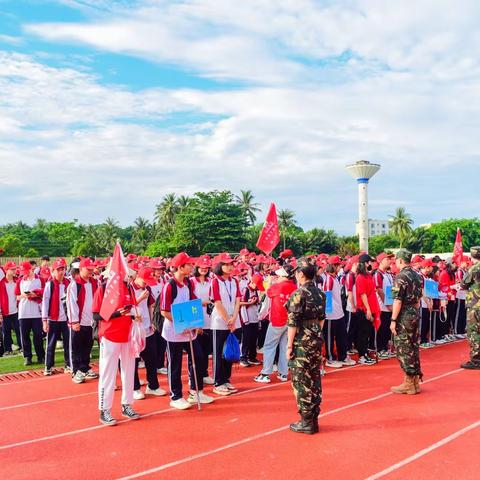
(217, 269)
(362, 268)
(32, 262)
(74, 271)
(196, 272)
(46, 257)
(330, 268)
(309, 271)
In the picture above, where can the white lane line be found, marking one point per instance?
(38, 402)
(264, 434)
(424, 451)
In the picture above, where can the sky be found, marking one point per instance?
(106, 106)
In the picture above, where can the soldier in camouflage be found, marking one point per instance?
(306, 314)
(472, 281)
(406, 292)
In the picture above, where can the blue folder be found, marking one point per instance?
(187, 315)
(431, 288)
(388, 296)
(329, 302)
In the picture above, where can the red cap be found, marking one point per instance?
(180, 259)
(384, 255)
(135, 265)
(223, 258)
(244, 251)
(257, 279)
(44, 272)
(130, 257)
(146, 274)
(59, 263)
(204, 262)
(25, 267)
(417, 259)
(10, 266)
(157, 264)
(427, 263)
(286, 253)
(335, 259)
(87, 262)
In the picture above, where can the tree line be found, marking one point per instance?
(218, 221)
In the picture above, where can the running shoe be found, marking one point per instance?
(262, 378)
(129, 412)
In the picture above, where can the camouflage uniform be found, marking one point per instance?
(472, 281)
(306, 311)
(407, 288)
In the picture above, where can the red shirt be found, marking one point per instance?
(279, 293)
(365, 285)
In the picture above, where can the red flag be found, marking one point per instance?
(114, 297)
(270, 235)
(458, 248)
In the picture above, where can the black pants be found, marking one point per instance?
(384, 334)
(426, 320)
(249, 341)
(149, 356)
(438, 319)
(57, 330)
(10, 324)
(81, 344)
(28, 325)
(352, 330)
(335, 333)
(448, 319)
(205, 341)
(175, 352)
(262, 333)
(364, 331)
(222, 369)
(161, 349)
(460, 321)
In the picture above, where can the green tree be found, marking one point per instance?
(142, 235)
(381, 243)
(165, 214)
(12, 245)
(401, 225)
(286, 218)
(317, 240)
(249, 207)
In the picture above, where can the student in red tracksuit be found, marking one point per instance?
(54, 315)
(9, 309)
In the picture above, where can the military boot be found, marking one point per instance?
(304, 425)
(417, 383)
(471, 365)
(316, 413)
(408, 386)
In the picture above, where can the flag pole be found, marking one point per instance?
(194, 369)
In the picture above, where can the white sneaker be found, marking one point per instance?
(163, 371)
(192, 398)
(282, 378)
(222, 390)
(141, 364)
(348, 362)
(159, 392)
(138, 395)
(440, 341)
(333, 364)
(180, 404)
(262, 378)
(231, 387)
(208, 380)
(79, 377)
(366, 360)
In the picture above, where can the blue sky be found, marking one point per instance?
(106, 106)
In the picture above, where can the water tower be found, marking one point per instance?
(363, 171)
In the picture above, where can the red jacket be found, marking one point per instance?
(279, 293)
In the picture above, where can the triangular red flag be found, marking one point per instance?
(114, 297)
(270, 235)
(458, 248)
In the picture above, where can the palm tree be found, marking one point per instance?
(110, 232)
(249, 207)
(142, 234)
(183, 201)
(285, 219)
(166, 211)
(401, 225)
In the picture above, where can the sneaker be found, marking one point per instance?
(47, 372)
(231, 388)
(91, 374)
(440, 341)
(141, 364)
(159, 392)
(471, 365)
(322, 372)
(282, 378)
(255, 362)
(79, 377)
(383, 355)
(192, 398)
(15, 348)
(222, 390)
(180, 404)
(67, 369)
(366, 360)
(333, 364)
(129, 412)
(352, 351)
(425, 345)
(244, 363)
(262, 378)
(163, 371)
(27, 361)
(106, 418)
(392, 355)
(461, 336)
(208, 380)
(138, 395)
(348, 362)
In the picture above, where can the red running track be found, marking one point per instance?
(50, 429)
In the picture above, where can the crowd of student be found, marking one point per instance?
(245, 295)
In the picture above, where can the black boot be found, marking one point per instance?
(305, 425)
(315, 421)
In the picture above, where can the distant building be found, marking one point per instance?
(375, 227)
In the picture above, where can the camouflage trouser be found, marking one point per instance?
(407, 342)
(473, 334)
(306, 378)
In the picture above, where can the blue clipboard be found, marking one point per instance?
(329, 302)
(187, 315)
(388, 296)
(431, 288)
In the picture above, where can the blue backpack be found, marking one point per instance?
(231, 349)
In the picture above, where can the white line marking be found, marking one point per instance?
(425, 451)
(264, 434)
(46, 401)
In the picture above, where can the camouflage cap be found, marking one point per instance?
(303, 262)
(404, 254)
(475, 252)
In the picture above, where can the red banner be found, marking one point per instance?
(270, 235)
(458, 248)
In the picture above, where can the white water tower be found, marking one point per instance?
(363, 171)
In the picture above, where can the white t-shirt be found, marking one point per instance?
(332, 283)
(72, 304)
(157, 289)
(29, 308)
(202, 291)
(144, 311)
(226, 291)
(12, 298)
